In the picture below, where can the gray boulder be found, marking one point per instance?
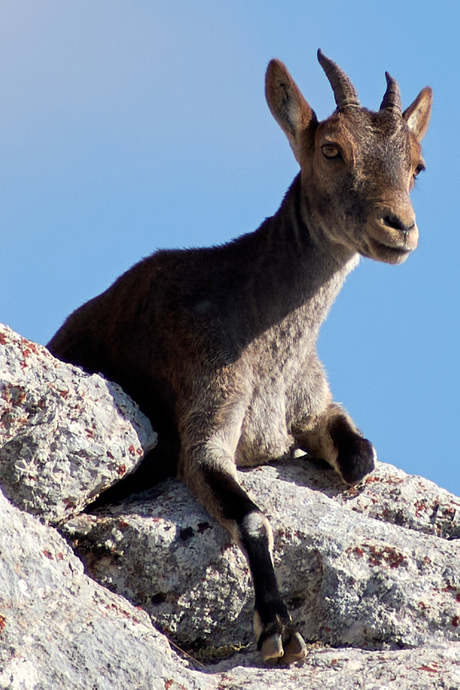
(65, 436)
(423, 668)
(60, 629)
(371, 574)
(349, 579)
(391, 495)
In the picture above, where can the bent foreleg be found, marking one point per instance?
(334, 437)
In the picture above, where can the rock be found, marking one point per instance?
(169, 556)
(65, 436)
(60, 629)
(371, 574)
(433, 666)
(349, 579)
(391, 495)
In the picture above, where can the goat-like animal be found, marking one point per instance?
(218, 345)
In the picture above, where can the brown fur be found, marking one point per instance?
(218, 345)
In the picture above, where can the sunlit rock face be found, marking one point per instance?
(65, 436)
(371, 573)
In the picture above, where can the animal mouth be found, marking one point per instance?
(397, 251)
(388, 253)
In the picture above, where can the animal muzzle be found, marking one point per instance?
(391, 233)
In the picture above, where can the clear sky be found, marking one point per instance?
(128, 125)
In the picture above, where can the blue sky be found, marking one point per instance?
(131, 125)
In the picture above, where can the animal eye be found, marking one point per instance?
(330, 151)
(420, 168)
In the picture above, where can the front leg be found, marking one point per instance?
(209, 471)
(334, 437)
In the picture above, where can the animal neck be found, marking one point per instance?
(291, 267)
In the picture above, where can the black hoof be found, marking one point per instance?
(356, 461)
(356, 455)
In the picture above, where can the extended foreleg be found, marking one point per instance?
(214, 483)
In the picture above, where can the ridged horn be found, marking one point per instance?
(392, 98)
(345, 93)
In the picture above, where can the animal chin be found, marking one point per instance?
(379, 251)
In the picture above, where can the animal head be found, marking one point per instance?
(357, 166)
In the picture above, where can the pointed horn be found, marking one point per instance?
(392, 97)
(345, 93)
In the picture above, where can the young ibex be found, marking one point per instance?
(218, 346)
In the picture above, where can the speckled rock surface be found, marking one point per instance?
(391, 495)
(349, 579)
(64, 435)
(60, 629)
(424, 668)
(371, 574)
(169, 556)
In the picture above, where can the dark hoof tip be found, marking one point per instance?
(356, 455)
(358, 462)
(273, 650)
(294, 650)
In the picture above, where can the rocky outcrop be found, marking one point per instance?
(59, 629)
(349, 579)
(371, 574)
(64, 436)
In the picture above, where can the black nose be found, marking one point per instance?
(396, 223)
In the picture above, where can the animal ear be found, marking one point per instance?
(418, 114)
(288, 106)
